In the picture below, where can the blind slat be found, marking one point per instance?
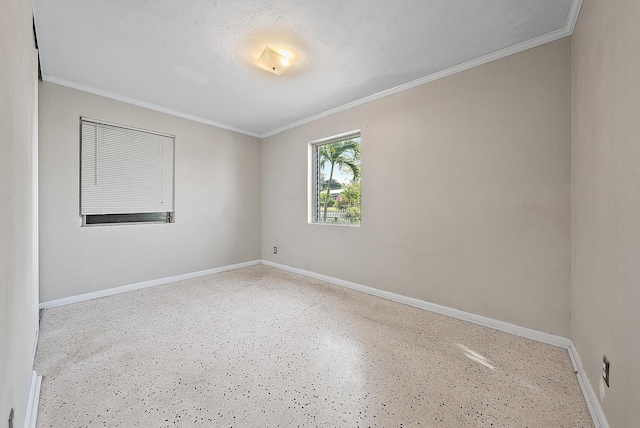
(125, 171)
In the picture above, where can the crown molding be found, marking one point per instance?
(572, 17)
(136, 102)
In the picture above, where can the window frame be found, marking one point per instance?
(131, 218)
(313, 177)
(135, 218)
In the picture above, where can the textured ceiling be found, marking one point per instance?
(194, 58)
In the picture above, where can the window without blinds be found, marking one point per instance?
(126, 174)
(335, 188)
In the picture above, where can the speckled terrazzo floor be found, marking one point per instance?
(259, 347)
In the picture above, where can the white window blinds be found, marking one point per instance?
(125, 170)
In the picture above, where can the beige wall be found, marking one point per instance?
(466, 198)
(18, 193)
(465, 192)
(606, 202)
(217, 201)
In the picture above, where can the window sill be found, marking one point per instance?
(334, 224)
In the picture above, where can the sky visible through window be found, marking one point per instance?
(337, 174)
(340, 176)
(339, 163)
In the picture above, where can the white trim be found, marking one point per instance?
(572, 17)
(310, 183)
(595, 409)
(127, 127)
(312, 174)
(320, 223)
(35, 341)
(39, 67)
(139, 285)
(135, 102)
(339, 137)
(550, 37)
(506, 327)
(597, 415)
(35, 223)
(32, 404)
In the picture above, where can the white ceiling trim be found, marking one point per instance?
(549, 37)
(144, 104)
(574, 11)
(532, 43)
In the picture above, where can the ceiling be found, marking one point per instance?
(195, 58)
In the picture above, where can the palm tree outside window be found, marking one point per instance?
(337, 181)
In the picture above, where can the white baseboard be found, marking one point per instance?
(139, 285)
(597, 414)
(32, 404)
(34, 387)
(35, 346)
(593, 404)
(599, 419)
(517, 330)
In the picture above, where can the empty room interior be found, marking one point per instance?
(337, 213)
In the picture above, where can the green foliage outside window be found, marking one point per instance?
(342, 156)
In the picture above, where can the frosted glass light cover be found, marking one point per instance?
(273, 61)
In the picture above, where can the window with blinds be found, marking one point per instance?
(127, 174)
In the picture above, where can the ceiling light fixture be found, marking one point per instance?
(275, 62)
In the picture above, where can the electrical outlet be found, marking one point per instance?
(605, 369)
(275, 250)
